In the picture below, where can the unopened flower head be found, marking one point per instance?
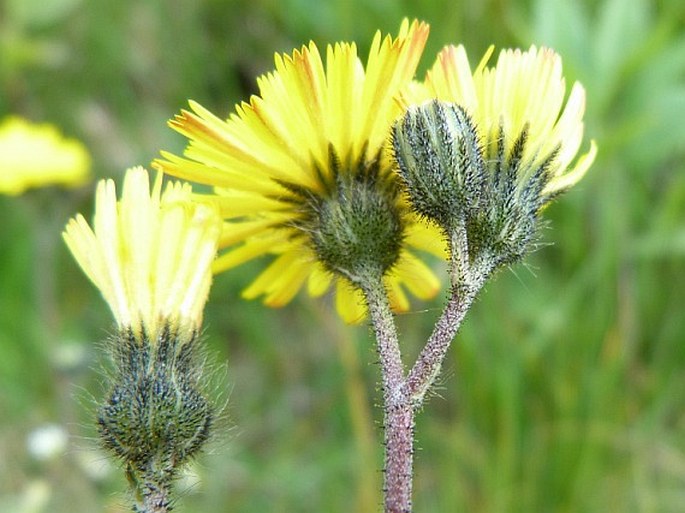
(521, 100)
(37, 155)
(303, 172)
(440, 161)
(149, 253)
(482, 153)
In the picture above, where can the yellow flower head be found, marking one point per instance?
(288, 155)
(149, 253)
(37, 155)
(524, 91)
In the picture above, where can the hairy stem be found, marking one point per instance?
(155, 501)
(386, 338)
(398, 411)
(429, 361)
(399, 457)
(467, 280)
(152, 493)
(402, 396)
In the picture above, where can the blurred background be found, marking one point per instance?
(565, 389)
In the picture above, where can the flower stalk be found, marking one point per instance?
(403, 394)
(429, 362)
(398, 421)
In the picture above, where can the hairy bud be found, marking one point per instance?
(440, 161)
(155, 417)
(488, 207)
(504, 231)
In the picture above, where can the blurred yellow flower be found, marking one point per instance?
(279, 157)
(525, 90)
(38, 155)
(150, 253)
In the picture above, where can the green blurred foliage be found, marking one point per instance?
(565, 390)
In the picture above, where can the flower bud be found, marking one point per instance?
(488, 208)
(155, 411)
(440, 161)
(155, 416)
(506, 227)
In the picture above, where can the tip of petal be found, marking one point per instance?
(573, 176)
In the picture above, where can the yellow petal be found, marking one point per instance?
(281, 280)
(398, 299)
(427, 237)
(572, 177)
(149, 253)
(416, 276)
(251, 249)
(349, 302)
(319, 281)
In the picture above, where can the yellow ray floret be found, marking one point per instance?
(149, 253)
(313, 118)
(524, 90)
(38, 155)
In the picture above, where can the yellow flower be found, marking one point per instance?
(150, 253)
(37, 155)
(524, 91)
(280, 157)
